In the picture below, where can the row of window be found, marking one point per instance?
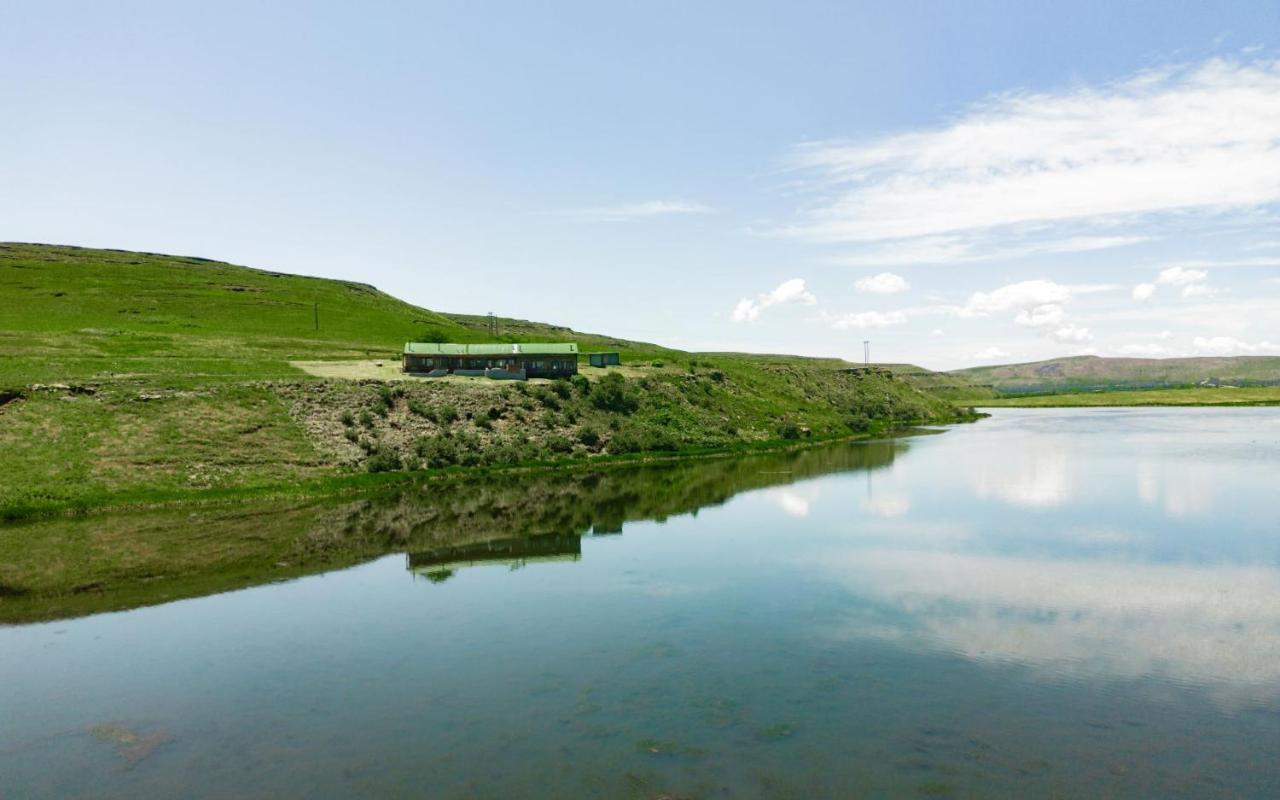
(429, 362)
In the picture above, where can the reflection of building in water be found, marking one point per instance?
(440, 564)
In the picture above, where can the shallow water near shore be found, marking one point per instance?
(1072, 603)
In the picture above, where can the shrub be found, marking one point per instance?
(388, 395)
(448, 414)
(562, 388)
(581, 383)
(657, 364)
(366, 419)
(626, 441)
(559, 443)
(859, 423)
(610, 394)
(437, 452)
(717, 376)
(789, 430)
(495, 412)
(351, 435)
(484, 423)
(422, 410)
(384, 461)
(348, 419)
(589, 436)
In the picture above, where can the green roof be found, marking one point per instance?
(522, 348)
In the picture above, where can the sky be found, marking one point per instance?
(960, 183)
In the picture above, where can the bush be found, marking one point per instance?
(422, 410)
(581, 383)
(348, 419)
(610, 394)
(495, 412)
(589, 436)
(437, 452)
(351, 435)
(484, 423)
(384, 461)
(625, 442)
(559, 443)
(657, 364)
(717, 376)
(366, 419)
(562, 388)
(388, 395)
(789, 430)
(448, 414)
(859, 423)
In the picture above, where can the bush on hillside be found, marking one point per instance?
(610, 394)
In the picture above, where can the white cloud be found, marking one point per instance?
(990, 354)
(1180, 276)
(1025, 295)
(1189, 279)
(1198, 290)
(643, 210)
(867, 319)
(1230, 346)
(1041, 316)
(1072, 333)
(790, 292)
(956, 249)
(1200, 138)
(884, 283)
(1164, 335)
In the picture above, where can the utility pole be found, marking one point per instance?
(493, 325)
(866, 352)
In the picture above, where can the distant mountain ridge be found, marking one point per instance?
(1097, 373)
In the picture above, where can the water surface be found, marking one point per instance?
(1073, 603)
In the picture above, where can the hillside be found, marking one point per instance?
(1094, 373)
(134, 377)
(74, 314)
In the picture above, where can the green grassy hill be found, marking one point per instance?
(76, 314)
(1094, 373)
(135, 377)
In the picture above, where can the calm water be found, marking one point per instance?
(1048, 603)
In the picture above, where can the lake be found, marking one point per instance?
(1071, 603)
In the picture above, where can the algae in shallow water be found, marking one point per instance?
(133, 746)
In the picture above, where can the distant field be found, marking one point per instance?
(1254, 396)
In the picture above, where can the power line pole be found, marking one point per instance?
(866, 352)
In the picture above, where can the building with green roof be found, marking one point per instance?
(514, 360)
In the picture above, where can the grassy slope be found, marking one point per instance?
(1197, 396)
(190, 360)
(1092, 373)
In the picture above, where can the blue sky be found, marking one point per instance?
(960, 183)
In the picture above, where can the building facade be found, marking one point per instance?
(515, 360)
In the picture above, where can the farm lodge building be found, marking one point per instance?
(519, 360)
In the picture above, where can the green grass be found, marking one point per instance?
(1197, 396)
(194, 393)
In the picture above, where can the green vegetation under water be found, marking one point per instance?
(69, 566)
(134, 378)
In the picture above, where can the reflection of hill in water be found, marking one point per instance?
(599, 502)
(69, 567)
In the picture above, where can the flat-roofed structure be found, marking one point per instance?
(505, 360)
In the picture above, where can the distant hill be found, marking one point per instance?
(1095, 373)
